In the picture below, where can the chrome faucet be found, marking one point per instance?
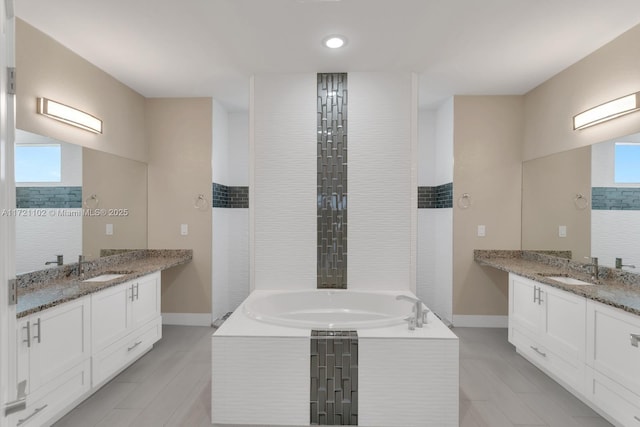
(419, 316)
(58, 261)
(81, 262)
(594, 267)
(619, 264)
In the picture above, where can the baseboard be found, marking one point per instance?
(187, 319)
(465, 321)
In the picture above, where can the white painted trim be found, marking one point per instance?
(470, 321)
(186, 319)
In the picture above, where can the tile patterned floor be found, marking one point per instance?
(171, 386)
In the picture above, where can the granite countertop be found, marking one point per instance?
(617, 288)
(44, 289)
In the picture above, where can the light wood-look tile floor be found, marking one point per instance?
(171, 386)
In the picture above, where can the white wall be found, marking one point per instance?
(381, 192)
(230, 263)
(435, 226)
(238, 150)
(283, 183)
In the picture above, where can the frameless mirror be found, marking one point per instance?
(73, 200)
(585, 200)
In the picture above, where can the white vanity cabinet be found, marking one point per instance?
(125, 323)
(548, 326)
(53, 356)
(613, 359)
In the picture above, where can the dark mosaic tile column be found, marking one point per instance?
(334, 378)
(332, 180)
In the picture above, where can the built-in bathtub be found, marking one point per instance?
(328, 309)
(262, 360)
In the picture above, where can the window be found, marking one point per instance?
(38, 163)
(627, 163)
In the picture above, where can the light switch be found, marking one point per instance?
(482, 231)
(184, 229)
(562, 231)
(109, 230)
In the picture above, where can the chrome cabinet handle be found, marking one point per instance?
(535, 292)
(538, 351)
(132, 294)
(134, 346)
(635, 339)
(23, 420)
(137, 291)
(28, 328)
(540, 301)
(39, 336)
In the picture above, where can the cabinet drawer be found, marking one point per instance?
(124, 351)
(568, 371)
(618, 402)
(610, 344)
(55, 398)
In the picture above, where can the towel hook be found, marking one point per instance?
(464, 201)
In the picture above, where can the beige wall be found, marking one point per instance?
(549, 187)
(118, 183)
(610, 72)
(179, 133)
(487, 150)
(47, 69)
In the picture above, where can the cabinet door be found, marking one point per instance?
(146, 300)
(110, 318)
(564, 323)
(524, 309)
(60, 340)
(611, 348)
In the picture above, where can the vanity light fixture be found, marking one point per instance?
(69, 115)
(334, 41)
(607, 111)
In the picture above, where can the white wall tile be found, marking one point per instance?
(380, 188)
(41, 238)
(284, 181)
(614, 234)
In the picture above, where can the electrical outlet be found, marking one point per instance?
(184, 229)
(562, 231)
(482, 231)
(109, 230)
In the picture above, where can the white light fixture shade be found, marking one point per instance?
(334, 41)
(69, 115)
(607, 111)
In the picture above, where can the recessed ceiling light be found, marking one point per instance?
(334, 41)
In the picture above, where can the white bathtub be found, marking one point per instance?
(329, 309)
(261, 360)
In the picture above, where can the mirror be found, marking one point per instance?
(74, 200)
(574, 201)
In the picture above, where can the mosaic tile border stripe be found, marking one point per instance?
(334, 378)
(225, 196)
(332, 180)
(615, 198)
(438, 197)
(48, 197)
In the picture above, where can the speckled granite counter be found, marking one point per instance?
(617, 288)
(43, 289)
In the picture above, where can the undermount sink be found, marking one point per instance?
(105, 277)
(569, 280)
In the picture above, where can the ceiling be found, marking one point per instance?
(190, 48)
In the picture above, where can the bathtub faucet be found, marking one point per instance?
(419, 316)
